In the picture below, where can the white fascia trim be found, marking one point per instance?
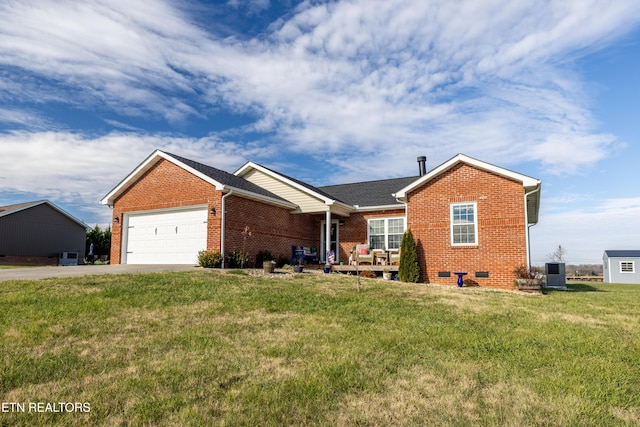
(147, 164)
(275, 175)
(532, 193)
(380, 208)
(259, 197)
(527, 181)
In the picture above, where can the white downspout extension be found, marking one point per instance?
(222, 221)
(526, 224)
(327, 235)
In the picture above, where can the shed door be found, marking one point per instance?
(166, 237)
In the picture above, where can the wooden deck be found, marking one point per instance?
(364, 267)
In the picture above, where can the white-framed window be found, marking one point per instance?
(627, 267)
(386, 233)
(464, 224)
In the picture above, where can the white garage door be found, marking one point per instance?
(166, 237)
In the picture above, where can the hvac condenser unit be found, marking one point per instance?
(68, 258)
(556, 276)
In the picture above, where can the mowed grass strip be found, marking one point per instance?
(213, 348)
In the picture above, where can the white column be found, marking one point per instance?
(327, 234)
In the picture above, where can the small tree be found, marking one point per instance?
(409, 270)
(558, 255)
(245, 233)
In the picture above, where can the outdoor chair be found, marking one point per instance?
(394, 257)
(364, 255)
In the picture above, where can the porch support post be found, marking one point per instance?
(327, 234)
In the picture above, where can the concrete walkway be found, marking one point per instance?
(37, 273)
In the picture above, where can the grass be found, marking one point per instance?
(212, 348)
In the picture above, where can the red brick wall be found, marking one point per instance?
(164, 186)
(168, 186)
(501, 230)
(272, 228)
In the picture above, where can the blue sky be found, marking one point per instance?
(330, 92)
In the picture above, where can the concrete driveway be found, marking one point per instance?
(37, 273)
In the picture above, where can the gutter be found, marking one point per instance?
(222, 227)
(526, 222)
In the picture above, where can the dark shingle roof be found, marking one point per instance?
(369, 193)
(226, 178)
(622, 253)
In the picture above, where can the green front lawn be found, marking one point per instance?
(212, 348)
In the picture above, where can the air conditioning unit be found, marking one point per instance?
(556, 276)
(68, 258)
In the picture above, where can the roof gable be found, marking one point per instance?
(221, 180)
(16, 208)
(531, 185)
(526, 181)
(306, 196)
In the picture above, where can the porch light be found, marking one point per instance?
(116, 220)
(213, 211)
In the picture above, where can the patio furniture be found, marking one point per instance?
(307, 254)
(394, 257)
(363, 254)
(381, 257)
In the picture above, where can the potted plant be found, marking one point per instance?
(527, 280)
(386, 274)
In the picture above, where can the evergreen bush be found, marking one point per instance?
(409, 269)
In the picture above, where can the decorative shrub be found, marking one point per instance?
(263, 256)
(209, 259)
(409, 269)
(237, 259)
(369, 274)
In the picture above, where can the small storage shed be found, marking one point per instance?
(38, 233)
(621, 266)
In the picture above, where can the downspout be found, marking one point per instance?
(222, 225)
(526, 222)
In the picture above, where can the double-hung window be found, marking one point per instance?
(464, 224)
(386, 233)
(627, 267)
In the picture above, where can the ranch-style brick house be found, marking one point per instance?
(465, 215)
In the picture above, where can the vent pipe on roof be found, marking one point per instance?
(422, 165)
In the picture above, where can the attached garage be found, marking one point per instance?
(164, 236)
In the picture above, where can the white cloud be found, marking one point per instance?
(73, 168)
(484, 76)
(586, 231)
